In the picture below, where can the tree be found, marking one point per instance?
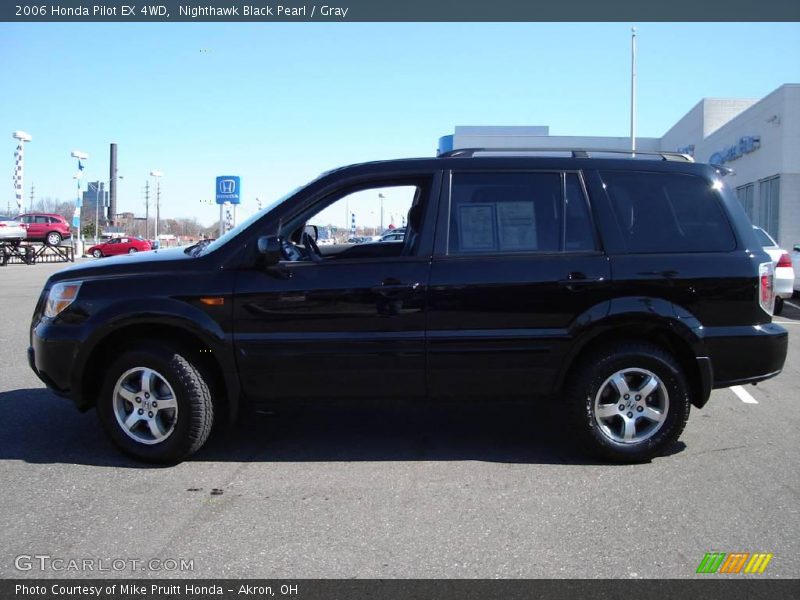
(88, 230)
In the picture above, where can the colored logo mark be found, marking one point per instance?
(735, 562)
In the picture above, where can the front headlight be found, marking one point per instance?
(60, 297)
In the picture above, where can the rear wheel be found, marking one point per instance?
(156, 404)
(53, 238)
(629, 402)
(97, 253)
(132, 251)
(778, 306)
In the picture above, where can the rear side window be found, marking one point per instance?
(494, 213)
(668, 212)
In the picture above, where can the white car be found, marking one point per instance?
(11, 231)
(784, 271)
(796, 267)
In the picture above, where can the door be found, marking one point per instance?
(349, 323)
(116, 246)
(516, 263)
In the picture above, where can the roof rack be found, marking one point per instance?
(575, 152)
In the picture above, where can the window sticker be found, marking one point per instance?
(517, 225)
(476, 227)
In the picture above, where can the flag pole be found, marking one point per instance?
(633, 89)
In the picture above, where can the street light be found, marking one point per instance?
(158, 175)
(382, 198)
(76, 216)
(96, 209)
(19, 164)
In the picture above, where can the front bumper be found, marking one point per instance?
(53, 361)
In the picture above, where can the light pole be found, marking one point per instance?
(19, 164)
(76, 216)
(96, 209)
(382, 198)
(158, 175)
(633, 89)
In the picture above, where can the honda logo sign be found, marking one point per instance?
(228, 189)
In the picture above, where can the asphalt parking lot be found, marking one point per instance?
(391, 492)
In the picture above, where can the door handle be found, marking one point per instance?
(578, 278)
(389, 289)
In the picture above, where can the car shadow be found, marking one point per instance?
(43, 429)
(790, 313)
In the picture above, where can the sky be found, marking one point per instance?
(279, 103)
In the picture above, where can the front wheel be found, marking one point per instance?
(156, 404)
(53, 238)
(132, 251)
(629, 402)
(97, 254)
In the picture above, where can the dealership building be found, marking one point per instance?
(758, 139)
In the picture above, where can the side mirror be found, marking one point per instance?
(269, 246)
(312, 231)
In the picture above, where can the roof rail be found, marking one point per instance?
(575, 152)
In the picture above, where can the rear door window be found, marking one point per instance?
(668, 212)
(500, 213)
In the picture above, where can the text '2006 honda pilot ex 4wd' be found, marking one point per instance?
(624, 287)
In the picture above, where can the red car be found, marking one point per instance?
(125, 245)
(45, 227)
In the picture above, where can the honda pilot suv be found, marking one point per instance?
(623, 288)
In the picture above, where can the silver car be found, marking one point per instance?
(11, 231)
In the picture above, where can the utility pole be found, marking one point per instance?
(32, 190)
(147, 210)
(633, 89)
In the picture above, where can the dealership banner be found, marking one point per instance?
(401, 10)
(396, 589)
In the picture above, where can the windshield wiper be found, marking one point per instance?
(195, 249)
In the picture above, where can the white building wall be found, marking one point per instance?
(685, 132)
(719, 111)
(776, 121)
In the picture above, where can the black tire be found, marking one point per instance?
(592, 386)
(97, 254)
(53, 238)
(778, 306)
(190, 388)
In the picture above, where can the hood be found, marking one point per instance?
(152, 261)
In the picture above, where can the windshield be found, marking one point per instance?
(224, 239)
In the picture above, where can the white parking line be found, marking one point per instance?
(786, 322)
(743, 395)
(792, 304)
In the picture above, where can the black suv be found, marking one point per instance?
(624, 287)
